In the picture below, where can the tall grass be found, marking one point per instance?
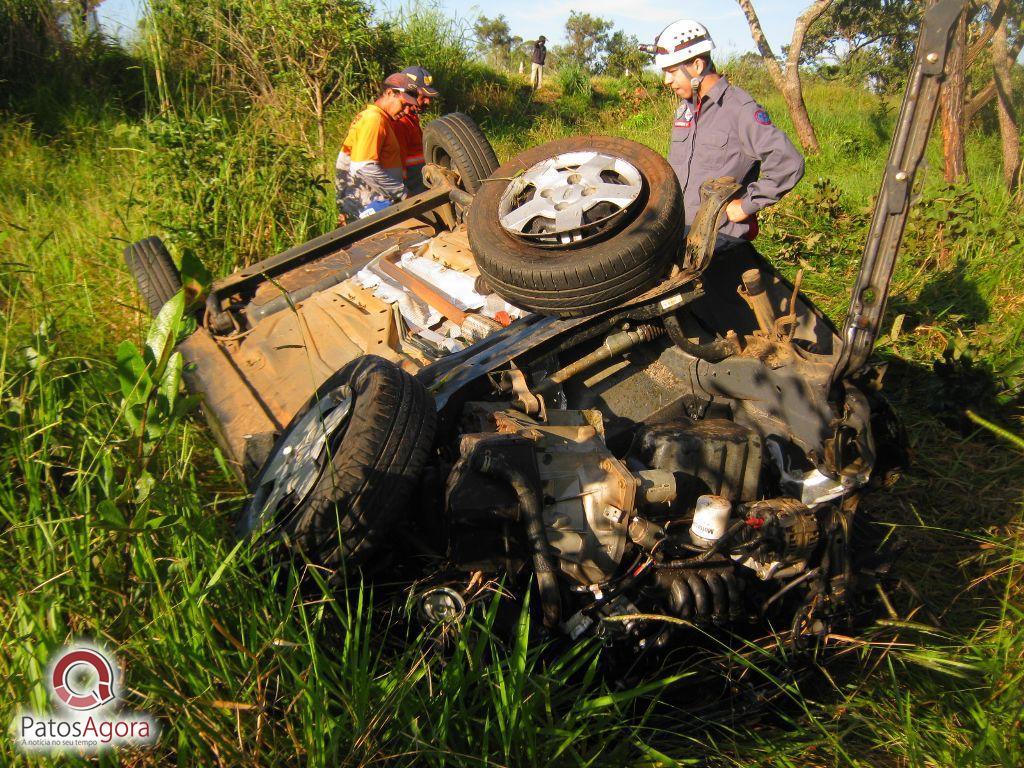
(244, 666)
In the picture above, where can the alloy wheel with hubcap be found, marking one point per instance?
(569, 198)
(294, 469)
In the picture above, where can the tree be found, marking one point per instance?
(1008, 12)
(623, 55)
(588, 38)
(953, 101)
(1009, 128)
(272, 51)
(866, 40)
(977, 25)
(788, 80)
(495, 39)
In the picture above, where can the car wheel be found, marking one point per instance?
(454, 141)
(339, 477)
(577, 225)
(154, 272)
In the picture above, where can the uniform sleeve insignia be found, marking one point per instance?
(762, 117)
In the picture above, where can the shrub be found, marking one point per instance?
(574, 80)
(231, 195)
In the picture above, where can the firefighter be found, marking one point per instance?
(407, 128)
(719, 130)
(369, 173)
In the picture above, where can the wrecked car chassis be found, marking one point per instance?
(616, 428)
(695, 449)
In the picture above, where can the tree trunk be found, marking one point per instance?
(1009, 130)
(788, 81)
(793, 94)
(954, 107)
(988, 91)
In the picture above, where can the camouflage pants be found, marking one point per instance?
(353, 191)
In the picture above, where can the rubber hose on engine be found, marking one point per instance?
(495, 465)
(700, 596)
(716, 585)
(712, 352)
(732, 585)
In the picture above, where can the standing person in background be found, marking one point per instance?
(407, 128)
(369, 174)
(719, 130)
(540, 55)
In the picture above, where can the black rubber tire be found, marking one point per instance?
(376, 459)
(154, 272)
(455, 141)
(589, 277)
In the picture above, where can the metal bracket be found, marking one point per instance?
(531, 404)
(715, 194)
(906, 153)
(935, 31)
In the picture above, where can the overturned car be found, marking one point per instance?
(529, 373)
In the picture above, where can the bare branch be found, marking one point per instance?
(978, 101)
(763, 47)
(998, 11)
(788, 81)
(803, 23)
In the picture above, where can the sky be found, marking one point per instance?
(643, 18)
(530, 18)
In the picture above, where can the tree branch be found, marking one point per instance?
(998, 10)
(803, 23)
(762, 42)
(978, 101)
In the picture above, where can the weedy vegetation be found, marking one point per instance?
(215, 129)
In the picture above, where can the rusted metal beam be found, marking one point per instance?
(328, 243)
(423, 290)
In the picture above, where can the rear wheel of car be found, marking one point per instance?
(339, 477)
(577, 225)
(155, 274)
(454, 141)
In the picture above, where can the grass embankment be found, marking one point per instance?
(113, 534)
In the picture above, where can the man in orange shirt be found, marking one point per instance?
(407, 127)
(369, 173)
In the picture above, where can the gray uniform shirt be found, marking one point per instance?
(731, 135)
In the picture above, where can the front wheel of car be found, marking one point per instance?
(578, 225)
(341, 474)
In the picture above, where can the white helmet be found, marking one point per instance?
(681, 41)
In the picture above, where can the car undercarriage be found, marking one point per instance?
(531, 376)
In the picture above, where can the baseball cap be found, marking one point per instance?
(542, 39)
(402, 82)
(424, 81)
